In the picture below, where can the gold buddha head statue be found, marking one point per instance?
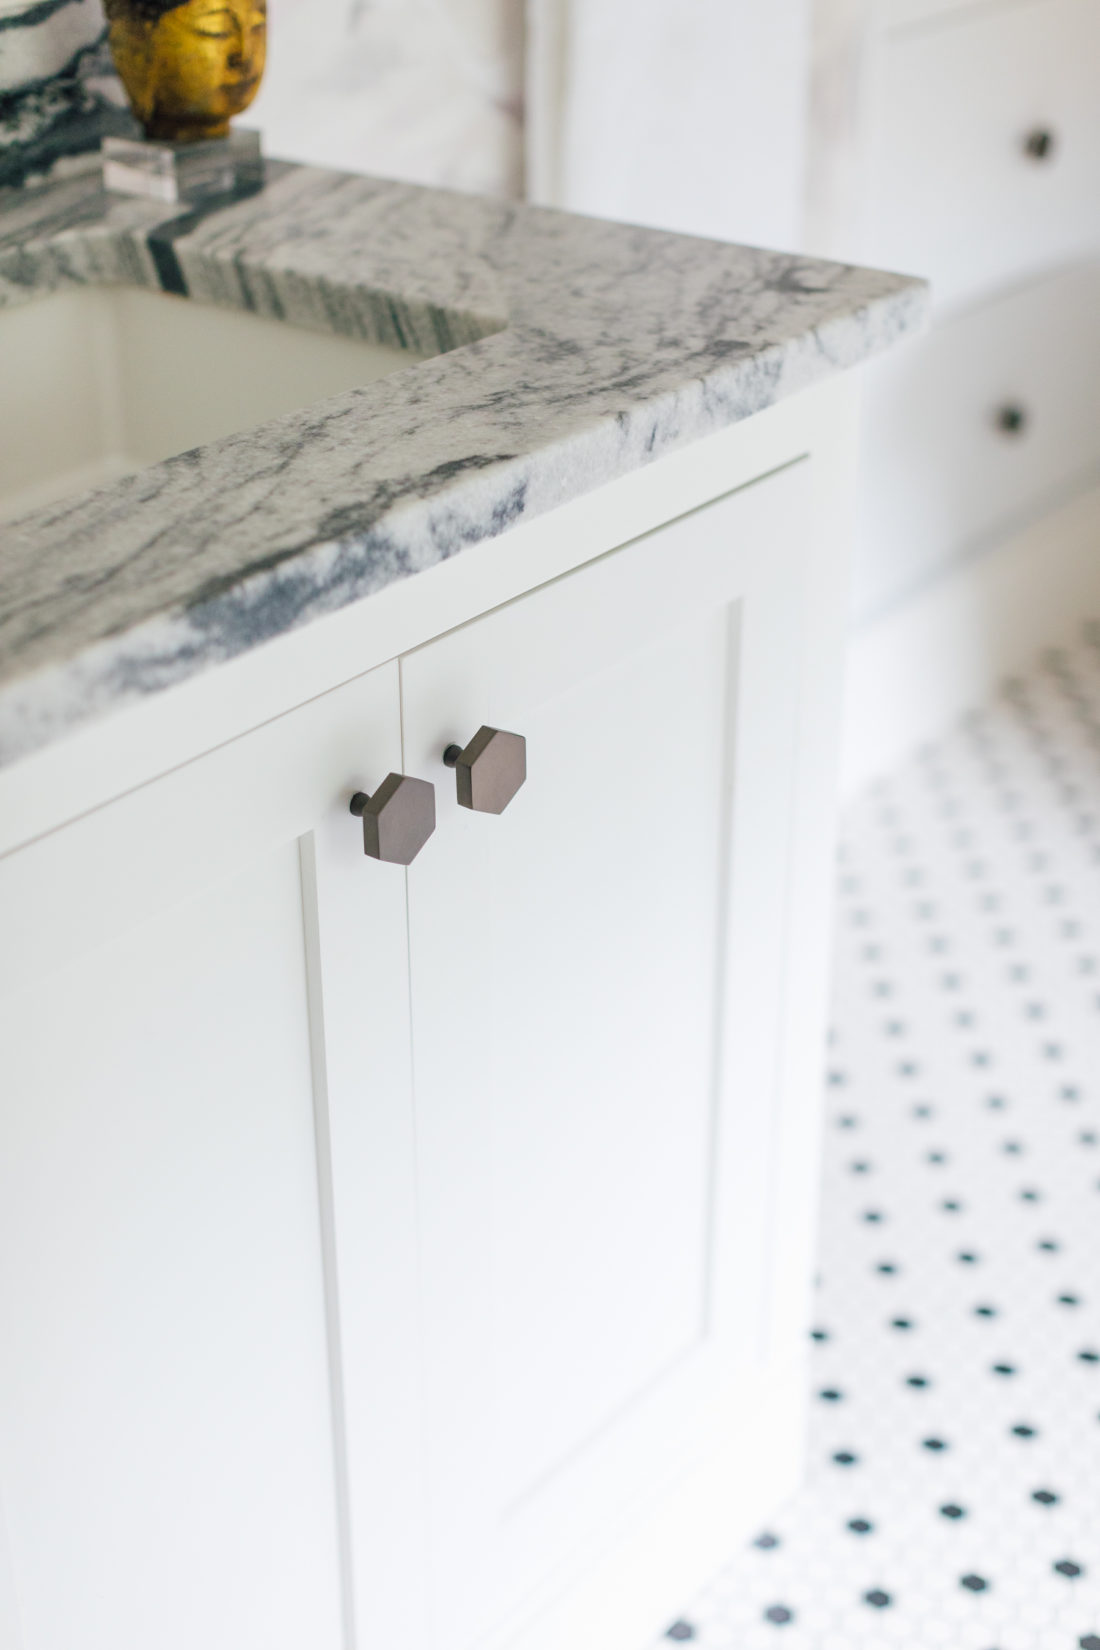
(188, 66)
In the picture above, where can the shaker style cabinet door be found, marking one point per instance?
(597, 982)
(169, 1015)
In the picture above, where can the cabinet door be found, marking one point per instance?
(185, 976)
(597, 983)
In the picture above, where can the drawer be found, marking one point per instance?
(953, 190)
(945, 463)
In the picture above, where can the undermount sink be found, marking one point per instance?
(98, 382)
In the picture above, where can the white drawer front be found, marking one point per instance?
(953, 191)
(894, 14)
(940, 471)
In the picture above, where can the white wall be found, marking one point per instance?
(427, 90)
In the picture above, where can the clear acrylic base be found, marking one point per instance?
(183, 172)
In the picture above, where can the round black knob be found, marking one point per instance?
(490, 770)
(398, 819)
(1011, 419)
(1040, 143)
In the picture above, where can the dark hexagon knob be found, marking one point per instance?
(398, 819)
(1040, 143)
(490, 770)
(1012, 418)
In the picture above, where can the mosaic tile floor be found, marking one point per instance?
(953, 1501)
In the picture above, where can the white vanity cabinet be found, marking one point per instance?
(420, 1257)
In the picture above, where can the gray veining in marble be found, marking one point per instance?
(576, 351)
(59, 93)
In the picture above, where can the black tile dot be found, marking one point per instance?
(936, 1445)
(766, 1541)
(874, 1217)
(1004, 1369)
(888, 1268)
(1069, 1300)
(860, 1526)
(1022, 1429)
(1066, 1567)
(830, 1395)
(951, 1206)
(680, 1630)
(953, 1511)
(819, 1334)
(974, 1583)
(985, 1311)
(877, 1599)
(1045, 1498)
(935, 1157)
(918, 1382)
(967, 1257)
(1049, 1246)
(901, 1324)
(845, 1458)
(1030, 1194)
(1091, 1641)
(778, 1614)
(1088, 1356)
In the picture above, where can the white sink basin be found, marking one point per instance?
(98, 382)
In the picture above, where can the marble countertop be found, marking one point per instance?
(575, 351)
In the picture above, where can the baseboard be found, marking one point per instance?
(914, 671)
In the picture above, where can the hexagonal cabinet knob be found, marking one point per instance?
(398, 819)
(490, 770)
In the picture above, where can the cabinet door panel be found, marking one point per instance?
(202, 1095)
(590, 1288)
(165, 1437)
